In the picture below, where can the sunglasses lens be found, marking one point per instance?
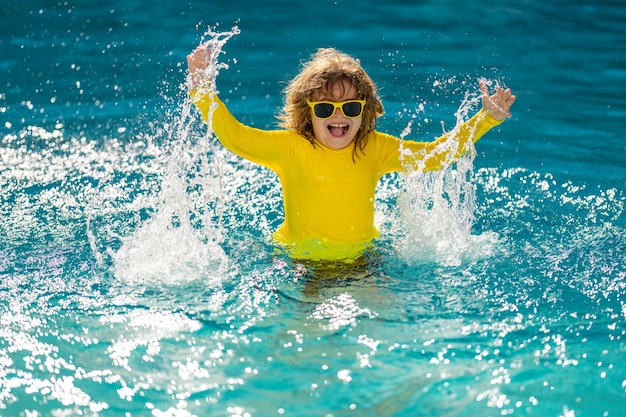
(324, 110)
(352, 109)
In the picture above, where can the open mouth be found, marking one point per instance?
(338, 130)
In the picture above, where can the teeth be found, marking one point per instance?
(338, 129)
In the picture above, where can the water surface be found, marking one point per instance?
(136, 275)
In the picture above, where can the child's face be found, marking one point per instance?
(338, 131)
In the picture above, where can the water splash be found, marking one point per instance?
(181, 239)
(437, 207)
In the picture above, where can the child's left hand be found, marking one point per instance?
(499, 104)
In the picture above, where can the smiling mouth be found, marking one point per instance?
(338, 130)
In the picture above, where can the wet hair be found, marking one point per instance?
(327, 69)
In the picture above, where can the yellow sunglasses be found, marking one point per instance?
(326, 109)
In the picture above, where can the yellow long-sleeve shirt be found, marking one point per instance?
(329, 195)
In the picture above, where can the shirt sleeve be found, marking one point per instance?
(431, 156)
(264, 147)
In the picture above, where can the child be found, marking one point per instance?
(329, 157)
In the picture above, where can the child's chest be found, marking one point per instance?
(331, 170)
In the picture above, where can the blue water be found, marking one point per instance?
(136, 272)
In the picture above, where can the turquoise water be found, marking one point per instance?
(136, 273)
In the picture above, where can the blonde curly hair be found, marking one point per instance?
(328, 68)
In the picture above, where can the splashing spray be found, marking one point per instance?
(437, 207)
(181, 240)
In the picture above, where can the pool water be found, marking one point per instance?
(137, 274)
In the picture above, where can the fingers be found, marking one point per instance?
(198, 61)
(500, 92)
(499, 103)
(203, 51)
(200, 55)
(504, 95)
(483, 88)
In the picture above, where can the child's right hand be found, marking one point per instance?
(198, 61)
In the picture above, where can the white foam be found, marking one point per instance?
(160, 250)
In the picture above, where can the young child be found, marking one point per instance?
(328, 156)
